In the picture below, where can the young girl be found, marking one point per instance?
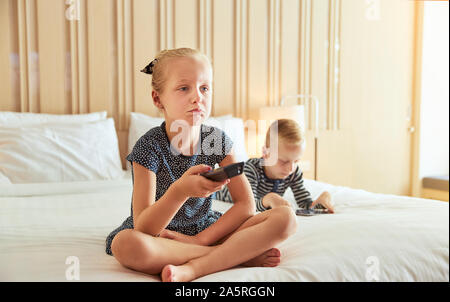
(172, 229)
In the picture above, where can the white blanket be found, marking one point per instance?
(371, 237)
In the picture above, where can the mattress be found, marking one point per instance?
(371, 237)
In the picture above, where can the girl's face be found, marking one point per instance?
(288, 158)
(187, 92)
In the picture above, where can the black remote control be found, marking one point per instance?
(223, 173)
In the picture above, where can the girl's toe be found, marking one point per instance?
(274, 252)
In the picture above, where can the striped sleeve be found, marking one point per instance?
(252, 175)
(223, 195)
(302, 196)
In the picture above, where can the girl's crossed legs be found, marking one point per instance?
(178, 261)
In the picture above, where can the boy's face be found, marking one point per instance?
(187, 92)
(288, 158)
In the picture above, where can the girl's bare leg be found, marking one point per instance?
(148, 254)
(266, 230)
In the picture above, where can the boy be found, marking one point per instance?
(269, 182)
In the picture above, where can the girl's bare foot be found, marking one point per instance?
(269, 258)
(173, 273)
(185, 273)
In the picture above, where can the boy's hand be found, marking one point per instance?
(273, 200)
(192, 184)
(325, 200)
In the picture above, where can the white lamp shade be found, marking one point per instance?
(271, 114)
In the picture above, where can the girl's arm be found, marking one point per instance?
(144, 206)
(152, 217)
(242, 209)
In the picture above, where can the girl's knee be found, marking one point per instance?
(131, 250)
(118, 244)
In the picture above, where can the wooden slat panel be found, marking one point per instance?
(205, 25)
(7, 101)
(205, 34)
(261, 50)
(304, 51)
(274, 53)
(257, 65)
(305, 61)
(129, 74)
(289, 71)
(223, 64)
(125, 62)
(241, 58)
(23, 55)
(146, 45)
(186, 16)
(319, 57)
(82, 52)
(52, 56)
(102, 64)
(33, 56)
(166, 26)
(121, 62)
(333, 65)
(258, 60)
(74, 56)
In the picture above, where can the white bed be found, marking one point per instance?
(51, 228)
(371, 237)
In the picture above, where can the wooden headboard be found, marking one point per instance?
(122, 136)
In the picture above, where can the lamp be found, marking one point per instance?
(297, 113)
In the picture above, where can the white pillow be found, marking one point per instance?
(19, 119)
(4, 180)
(234, 127)
(60, 153)
(139, 125)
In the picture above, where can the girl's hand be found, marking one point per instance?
(180, 237)
(192, 184)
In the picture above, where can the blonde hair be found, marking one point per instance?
(159, 65)
(289, 131)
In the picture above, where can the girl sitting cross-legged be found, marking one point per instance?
(172, 229)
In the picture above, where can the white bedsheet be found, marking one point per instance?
(371, 236)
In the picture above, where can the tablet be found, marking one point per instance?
(310, 212)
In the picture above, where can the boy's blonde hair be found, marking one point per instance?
(289, 131)
(157, 67)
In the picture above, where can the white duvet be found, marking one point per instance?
(372, 237)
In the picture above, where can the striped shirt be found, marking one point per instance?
(262, 185)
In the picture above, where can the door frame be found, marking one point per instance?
(416, 185)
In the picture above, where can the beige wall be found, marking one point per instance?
(261, 50)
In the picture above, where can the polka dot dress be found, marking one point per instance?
(154, 151)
